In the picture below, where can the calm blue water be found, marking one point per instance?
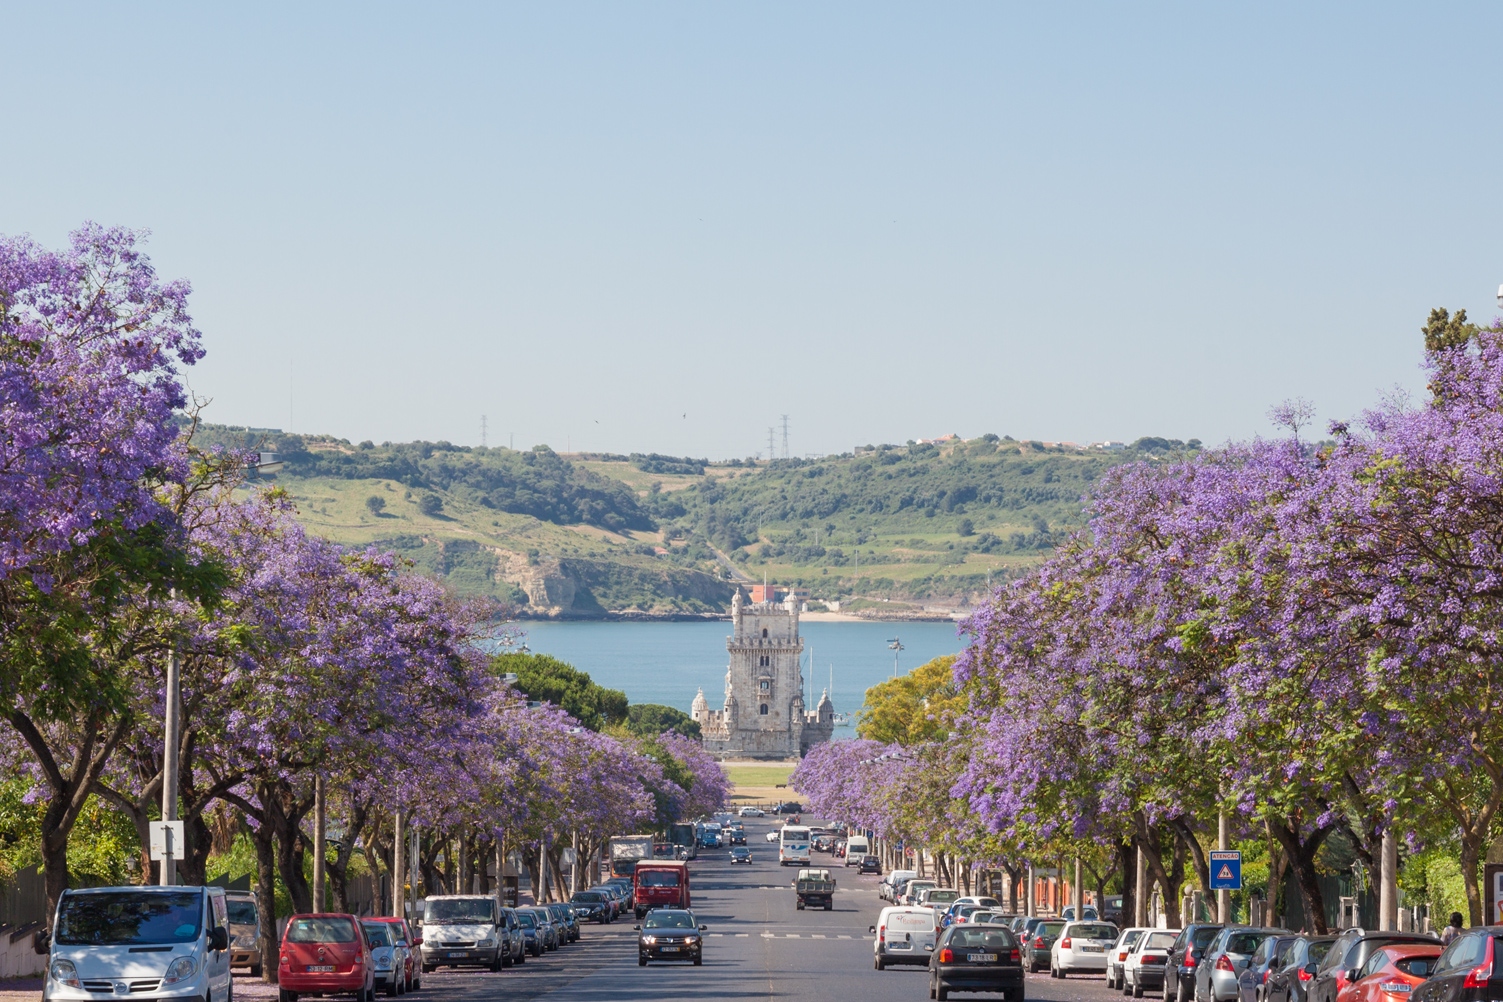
(668, 662)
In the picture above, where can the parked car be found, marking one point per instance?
(1290, 981)
(752, 812)
(591, 906)
(463, 930)
(1222, 963)
(1466, 970)
(403, 935)
(1088, 914)
(938, 898)
(1269, 957)
(1116, 957)
(1038, 944)
(958, 914)
(886, 886)
(909, 894)
(145, 939)
(976, 958)
(325, 954)
(868, 864)
(1394, 972)
(741, 854)
(245, 931)
(670, 934)
(547, 928)
(1179, 980)
(534, 934)
(905, 935)
(1081, 946)
(566, 920)
(1147, 962)
(1348, 954)
(790, 807)
(387, 957)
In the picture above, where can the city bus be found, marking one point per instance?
(793, 846)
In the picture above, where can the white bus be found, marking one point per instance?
(793, 846)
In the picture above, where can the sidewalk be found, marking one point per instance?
(20, 990)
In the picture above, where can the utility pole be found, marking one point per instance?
(482, 431)
(399, 867)
(1223, 898)
(1388, 882)
(1077, 897)
(173, 724)
(1140, 892)
(785, 436)
(320, 840)
(1028, 905)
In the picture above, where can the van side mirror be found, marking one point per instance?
(42, 942)
(219, 938)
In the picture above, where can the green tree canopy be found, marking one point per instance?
(648, 720)
(912, 708)
(548, 679)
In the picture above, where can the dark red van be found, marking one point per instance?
(658, 883)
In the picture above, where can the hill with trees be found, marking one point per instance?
(883, 529)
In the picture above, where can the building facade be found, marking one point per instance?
(763, 715)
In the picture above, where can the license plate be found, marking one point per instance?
(670, 949)
(321, 968)
(1087, 948)
(981, 958)
(452, 954)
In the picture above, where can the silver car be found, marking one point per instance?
(1216, 977)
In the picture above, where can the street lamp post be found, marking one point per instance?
(896, 646)
(172, 725)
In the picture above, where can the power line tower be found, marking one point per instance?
(785, 436)
(771, 452)
(482, 431)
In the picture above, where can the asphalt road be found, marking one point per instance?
(758, 947)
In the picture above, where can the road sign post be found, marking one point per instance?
(1226, 870)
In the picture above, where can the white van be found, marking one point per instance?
(888, 887)
(904, 936)
(156, 942)
(855, 847)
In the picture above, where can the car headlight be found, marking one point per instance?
(650, 940)
(692, 940)
(383, 962)
(487, 942)
(180, 969)
(64, 973)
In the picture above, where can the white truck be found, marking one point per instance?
(626, 850)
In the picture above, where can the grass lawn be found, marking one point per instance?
(759, 782)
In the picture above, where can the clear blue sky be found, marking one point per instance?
(1058, 221)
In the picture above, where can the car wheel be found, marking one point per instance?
(391, 989)
(286, 996)
(698, 961)
(931, 988)
(878, 964)
(1137, 991)
(641, 961)
(429, 968)
(370, 991)
(255, 970)
(941, 992)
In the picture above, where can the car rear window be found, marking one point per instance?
(988, 939)
(942, 897)
(1245, 942)
(1050, 928)
(1158, 941)
(321, 930)
(1419, 967)
(1318, 951)
(1203, 936)
(1108, 932)
(375, 933)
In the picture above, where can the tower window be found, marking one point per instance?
(763, 709)
(766, 685)
(764, 633)
(765, 661)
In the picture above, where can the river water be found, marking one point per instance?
(668, 662)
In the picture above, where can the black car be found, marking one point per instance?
(1349, 953)
(670, 934)
(741, 854)
(1271, 954)
(870, 864)
(1467, 969)
(790, 807)
(976, 958)
(738, 837)
(591, 906)
(1179, 979)
(1288, 982)
(1038, 942)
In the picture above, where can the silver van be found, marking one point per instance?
(245, 931)
(464, 930)
(153, 942)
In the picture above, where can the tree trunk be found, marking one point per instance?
(1471, 856)
(1015, 875)
(266, 900)
(1186, 835)
(1169, 879)
(1278, 866)
(1127, 862)
(1301, 854)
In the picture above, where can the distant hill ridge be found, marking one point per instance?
(649, 534)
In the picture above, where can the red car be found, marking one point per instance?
(1392, 973)
(325, 954)
(409, 939)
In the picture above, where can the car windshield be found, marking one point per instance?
(1108, 932)
(320, 930)
(1318, 951)
(437, 912)
(242, 912)
(375, 933)
(526, 921)
(121, 918)
(588, 896)
(981, 939)
(669, 920)
(1158, 941)
(658, 878)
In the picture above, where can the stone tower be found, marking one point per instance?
(763, 715)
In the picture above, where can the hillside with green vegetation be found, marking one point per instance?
(884, 530)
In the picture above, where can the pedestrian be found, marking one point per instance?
(1451, 931)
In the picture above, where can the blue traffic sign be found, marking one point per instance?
(1226, 870)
